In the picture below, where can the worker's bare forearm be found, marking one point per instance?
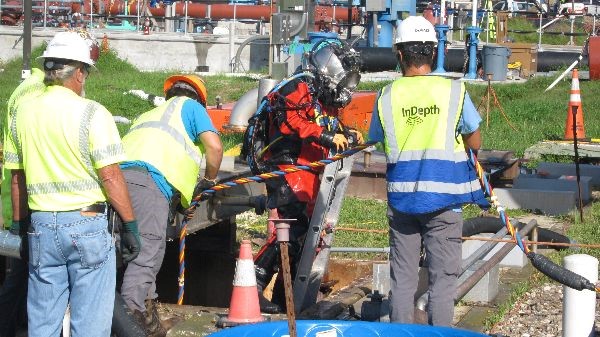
(18, 195)
(116, 190)
(214, 153)
(472, 140)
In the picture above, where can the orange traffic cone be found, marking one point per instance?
(244, 307)
(575, 100)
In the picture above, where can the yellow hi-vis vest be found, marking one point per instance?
(158, 137)
(30, 87)
(60, 141)
(427, 166)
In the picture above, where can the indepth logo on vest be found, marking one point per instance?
(416, 114)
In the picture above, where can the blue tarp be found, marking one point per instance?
(309, 328)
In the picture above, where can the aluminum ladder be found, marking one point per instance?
(313, 265)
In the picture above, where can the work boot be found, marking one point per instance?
(266, 306)
(152, 322)
(264, 270)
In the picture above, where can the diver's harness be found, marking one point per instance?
(256, 137)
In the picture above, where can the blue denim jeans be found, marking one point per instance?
(71, 260)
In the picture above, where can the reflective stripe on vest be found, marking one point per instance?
(163, 125)
(427, 164)
(32, 85)
(158, 137)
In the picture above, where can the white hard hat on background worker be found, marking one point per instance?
(68, 46)
(415, 29)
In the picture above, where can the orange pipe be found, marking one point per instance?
(223, 11)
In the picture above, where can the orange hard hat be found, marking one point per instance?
(193, 80)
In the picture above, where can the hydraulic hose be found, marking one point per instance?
(540, 262)
(474, 226)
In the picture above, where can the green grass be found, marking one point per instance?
(517, 290)
(115, 76)
(523, 30)
(535, 114)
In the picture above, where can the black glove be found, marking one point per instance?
(15, 227)
(203, 185)
(174, 207)
(326, 139)
(130, 241)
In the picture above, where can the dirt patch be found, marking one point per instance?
(343, 272)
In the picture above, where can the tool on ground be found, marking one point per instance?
(243, 308)
(489, 93)
(282, 227)
(577, 172)
(575, 130)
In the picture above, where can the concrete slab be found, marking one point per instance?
(514, 259)
(487, 288)
(562, 148)
(554, 183)
(547, 202)
(588, 170)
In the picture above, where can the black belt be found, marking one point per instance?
(99, 207)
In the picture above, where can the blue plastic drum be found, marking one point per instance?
(343, 329)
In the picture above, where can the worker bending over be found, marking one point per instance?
(426, 123)
(165, 147)
(303, 127)
(63, 152)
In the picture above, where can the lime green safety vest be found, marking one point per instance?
(158, 137)
(61, 140)
(31, 86)
(427, 166)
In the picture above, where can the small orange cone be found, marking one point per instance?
(575, 100)
(244, 307)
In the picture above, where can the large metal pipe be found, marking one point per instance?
(484, 249)
(242, 111)
(224, 11)
(27, 39)
(470, 281)
(467, 283)
(10, 244)
(384, 59)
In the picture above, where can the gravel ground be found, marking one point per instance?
(537, 313)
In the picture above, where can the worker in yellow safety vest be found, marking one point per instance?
(165, 147)
(63, 152)
(491, 20)
(425, 123)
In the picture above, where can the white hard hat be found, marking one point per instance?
(69, 46)
(415, 29)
